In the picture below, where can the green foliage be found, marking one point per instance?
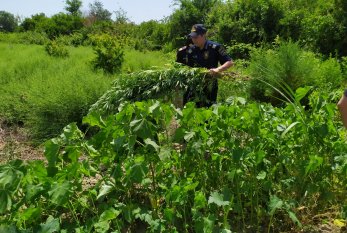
(240, 51)
(246, 21)
(241, 167)
(59, 24)
(63, 24)
(189, 12)
(98, 12)
(276, 72)
(109, 54)
(8, 23)
(56, 50)
(76, 39)
(37, 22)
(73, 7)
(29, 37)
(150, 84)
(44, 93)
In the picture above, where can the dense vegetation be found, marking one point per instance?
(269, 157)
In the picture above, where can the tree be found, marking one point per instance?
(121, 16)
(73, 7)
(7, 21)
(189, 13)
(98, 12)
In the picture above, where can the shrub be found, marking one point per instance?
(109, 54)
(287, 68)
(56, 50)
(240, 50)
(24, 38)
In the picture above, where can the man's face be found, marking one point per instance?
(199, 40)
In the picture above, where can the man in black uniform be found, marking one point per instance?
(207, 54)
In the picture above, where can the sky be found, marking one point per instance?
(136, 10)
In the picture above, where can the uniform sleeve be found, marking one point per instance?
(180, 56)
(222, 55)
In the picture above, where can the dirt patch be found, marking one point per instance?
(15, 144)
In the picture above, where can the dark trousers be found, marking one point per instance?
(207, 98)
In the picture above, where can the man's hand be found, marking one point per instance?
(215, 72)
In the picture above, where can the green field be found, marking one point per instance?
(138, 164)
(45, 93)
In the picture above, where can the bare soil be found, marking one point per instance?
(15, 144)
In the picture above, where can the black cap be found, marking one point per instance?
(197, 29)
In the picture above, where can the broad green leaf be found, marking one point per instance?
(30, 214)
(154, 106)
(105, 189)
(52, 148)
(52, 225)
(152, 143)
(209, 223)
(188, 136)
(315, 162)
(179, 134)
(94, 119)
(218, 199)
(293, 217)
(10, 177)
(71, 132)
(301, 92)
(142, 128)
(199, 200)
(109, 214)
(138, 172)
(261, 175)
(5, 201)
(169, 214)
(259, 156)
(60, 192)
(275, 203)
(164, 154)
(102, 227)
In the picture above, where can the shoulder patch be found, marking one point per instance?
(214, 46)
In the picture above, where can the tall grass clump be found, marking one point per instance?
(288, 67)
(136, 60)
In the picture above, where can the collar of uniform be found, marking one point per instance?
(206, 44)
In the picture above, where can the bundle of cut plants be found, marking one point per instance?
(151, 84)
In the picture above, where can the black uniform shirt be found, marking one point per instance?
(209, 56)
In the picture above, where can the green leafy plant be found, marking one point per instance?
(56, 50)
(289, 67)
(109, 54)
(150, 84)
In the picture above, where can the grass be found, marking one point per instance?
(45, 93)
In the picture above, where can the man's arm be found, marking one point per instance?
(219, 69)
(342, 106)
